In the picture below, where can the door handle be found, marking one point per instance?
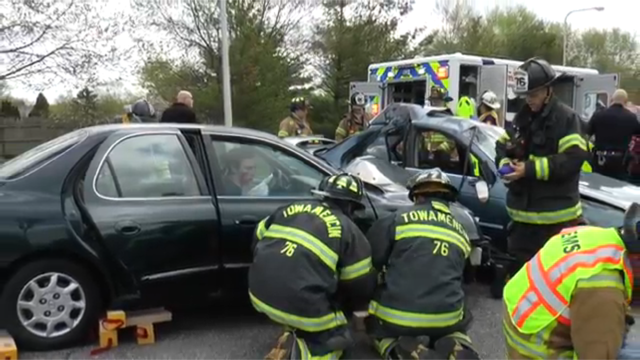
(128, 227)
(247, 221)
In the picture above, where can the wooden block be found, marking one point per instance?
(108, 338)
(8, 349)
(150, 316)
(145, 334)
(117, 317)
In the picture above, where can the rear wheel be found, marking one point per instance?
(49, 304)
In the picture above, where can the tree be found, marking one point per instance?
(41, 37)
(7, 109)
(263, 52)
(87, 108)
(351, 35)
(41, 107)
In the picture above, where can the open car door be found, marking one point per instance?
(590, 89)
(373, 92)
(494, 78)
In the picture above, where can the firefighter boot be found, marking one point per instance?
(285, 347)
(456, 346)
(413, 348)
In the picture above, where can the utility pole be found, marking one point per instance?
(226, 73)
(566, 30)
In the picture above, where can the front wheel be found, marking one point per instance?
(49, 304)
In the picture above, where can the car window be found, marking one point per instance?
(436, 149)
(147, 166)
(259, 170)
(39, 155)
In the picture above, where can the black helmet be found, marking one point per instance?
(143, 109)
(358, 99)
(436, 93)
(299, 103)
(532, 75)
(341, 187)
(630, 227)
(439, 181)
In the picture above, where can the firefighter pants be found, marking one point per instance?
(610, 164)
(525, 240)
(321, 345)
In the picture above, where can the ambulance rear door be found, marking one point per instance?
(591, 88)
(373, 91)
(494, 78)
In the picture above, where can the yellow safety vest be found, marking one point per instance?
(465, 107)
(490, 113)
(539, 295)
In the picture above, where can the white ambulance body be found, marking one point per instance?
(411, 81)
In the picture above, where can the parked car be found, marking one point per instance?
(395, 135)
(115, 214)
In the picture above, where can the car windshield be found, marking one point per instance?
(486, 138)
(39, 155)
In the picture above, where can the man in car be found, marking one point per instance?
(356, 120)
(241, 171)
(544, 156)
(418, 308)
(571, 300)
(311, 268)
(296, 124)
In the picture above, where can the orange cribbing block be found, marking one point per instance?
(8, 349)
(145, 334)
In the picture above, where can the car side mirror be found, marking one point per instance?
(482, 191)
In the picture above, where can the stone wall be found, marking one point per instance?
(18, 136)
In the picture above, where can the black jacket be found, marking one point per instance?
(178, 113)
(613, 128)
(422, 251)
(554, 149)
(310, 263)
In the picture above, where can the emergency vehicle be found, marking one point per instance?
(410, 81)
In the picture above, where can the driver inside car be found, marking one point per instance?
(241, 171)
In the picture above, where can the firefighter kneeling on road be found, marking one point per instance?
(570, 301)
(356, 120)
(418, 309)
(311, 269)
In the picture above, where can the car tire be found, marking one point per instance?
(74, 297)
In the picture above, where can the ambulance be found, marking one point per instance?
(410, 81)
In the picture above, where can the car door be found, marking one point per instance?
(253, 178)
(426, 146)
(148, 198)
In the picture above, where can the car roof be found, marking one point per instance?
(436, 117)
(226, 130)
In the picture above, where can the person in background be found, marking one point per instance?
(487, 109)
(436, 97)
(612, 130)
(542, 160)
(571, 301)
(180, 111)
(143, 111)
(296, 124)
(466, 103)
(312, 269)
(356, 120)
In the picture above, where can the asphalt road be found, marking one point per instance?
(236, 332)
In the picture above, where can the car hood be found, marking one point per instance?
(609, 190)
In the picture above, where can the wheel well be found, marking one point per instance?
(104, 285)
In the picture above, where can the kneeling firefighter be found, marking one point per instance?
(570, 301)
(418, 310)
(311, 269)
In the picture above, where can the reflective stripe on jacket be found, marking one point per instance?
(291, 126)
(540, 292)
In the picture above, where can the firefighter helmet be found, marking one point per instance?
(358, 99)
(143, 109)
(433, 181)
(532, 75)
(299, 103)
(341, 187)
(490, 99)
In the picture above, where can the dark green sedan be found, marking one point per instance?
(114, 215)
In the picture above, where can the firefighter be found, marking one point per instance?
(356, 120)
(437, 97)
(296, 124)
(545, 154)
(418, 308)
(311, 268)
(487, 109)
(570, 301)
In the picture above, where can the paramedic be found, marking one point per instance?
(296, 124)
(571, 300)
(311, 268)
(356, 120)
(546, 154)
(487, 109)
(612, 129)
(466, 104)
(418, 307)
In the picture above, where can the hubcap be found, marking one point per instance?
(51, 305)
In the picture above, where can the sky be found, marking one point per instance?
(624, 14)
